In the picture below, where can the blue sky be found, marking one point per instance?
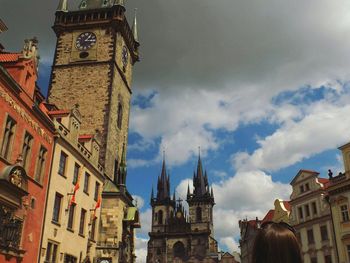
(261, 86)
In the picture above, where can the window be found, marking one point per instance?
(51, 252)
(348, 250)
(160, 217)
(62, 164)
(307, 210)
(302, 189)
(57, 208)
(198, 214)
(40, 164)
(314, 208)
(324, 233)
(310, 236)
(120, 115)
(71, 216)
(307, 187)
(116, 171)
(328, 259)
(313, 260)
(344, 213)
(82, 221)
(300, 210)
(70, 259)
(76, 173)
(26, 149)
(8, 137)
(97, 190)
(93, 227)
(86, 183)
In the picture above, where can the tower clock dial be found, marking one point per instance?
(85, 41)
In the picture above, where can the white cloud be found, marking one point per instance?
(322, 128)
(220, 174)
(139, 201)
(230, 243)
(141, 249)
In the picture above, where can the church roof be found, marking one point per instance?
(9, 57)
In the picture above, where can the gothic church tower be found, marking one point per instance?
(176, 236)
(95, 53)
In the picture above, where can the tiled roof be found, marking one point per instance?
(324, 181)
(9, 57)
(287, 205)
(269, 216)
(85, 137)
(59, 112)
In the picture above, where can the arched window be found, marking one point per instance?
(179, 250)
(199, 214)
(160, 217)
(120, 115)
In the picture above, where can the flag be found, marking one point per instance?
(76, 187)
(98, 205)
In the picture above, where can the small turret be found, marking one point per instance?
(135, 31)
(63, 6)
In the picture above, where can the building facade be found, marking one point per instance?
(26, 145)
(310, 216)
(338, 198)
(176, 236)
(74, 198)
(93, 63)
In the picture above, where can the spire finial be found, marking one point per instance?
(134, 28)
(63, 6)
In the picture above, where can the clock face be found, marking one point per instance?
(178, 214)
(85, 41)
(125, 56)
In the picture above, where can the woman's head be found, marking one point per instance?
(276, 243)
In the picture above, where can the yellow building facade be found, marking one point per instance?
(311, 217)
(339, 197)
(74, 198)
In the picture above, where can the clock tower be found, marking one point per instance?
(95, 53)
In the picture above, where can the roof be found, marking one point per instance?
(85, 137)
(303, 171)
(287, 205)
(9, 57)
(269, 216)
(59, 112)
(131, 214)
(324, 181)
(110, 187)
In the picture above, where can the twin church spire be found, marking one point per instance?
(201, 190)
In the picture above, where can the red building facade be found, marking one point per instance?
(26, 146)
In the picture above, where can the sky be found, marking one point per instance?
(262, 87)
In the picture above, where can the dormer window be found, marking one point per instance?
(302, 190)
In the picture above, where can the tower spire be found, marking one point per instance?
(134, 29)
(63, 6)
(163, 187)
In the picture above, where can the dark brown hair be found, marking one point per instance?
(276, 243)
